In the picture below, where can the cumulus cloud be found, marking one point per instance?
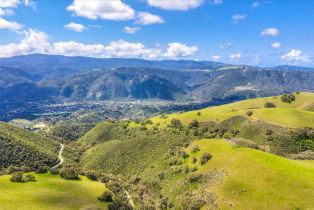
(215, 57)
(182, 5)
(270, 32)
(235, 56)
(109, 10)
(131, 30)
(295, 55)
(35, 41)
(238, 17)
(146, 18)
(276, 45)
(11, 25)
(180, 50)
(75, 27)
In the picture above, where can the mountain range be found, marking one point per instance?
(57, 78)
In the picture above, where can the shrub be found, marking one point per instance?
(306, 155)
(287, 98)
(194, 160)
(194, 177)
(249, 113)
(205, 158)
(69, 173)
(246, 143)
(176, 123)
(268, 132)
(17, 177)
(29, 178)
(195, 148)
(42, 170)
(199, 114)
(107, 196)
(194, 124)
(91, 174)
(184, 154)
(269, 105)
(54, 171)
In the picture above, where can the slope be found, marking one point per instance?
(51, 192)
(286, 114)
(23, 148)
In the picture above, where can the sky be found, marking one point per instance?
(260, 33)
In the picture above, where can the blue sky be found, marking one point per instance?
(262, 33)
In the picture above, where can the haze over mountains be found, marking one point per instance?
(54, 78)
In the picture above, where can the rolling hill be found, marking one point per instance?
(23, 148)
(51, 192)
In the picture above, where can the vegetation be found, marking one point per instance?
(287, 98)
(51, 192)
(269, 105)
(24, 148)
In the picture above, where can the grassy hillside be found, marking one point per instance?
(20, 147)
(51, 192)
(293, 114)
(255, 179)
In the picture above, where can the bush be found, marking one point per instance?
(54, 171)
(269, 105)
(194, 160)
(249, 113)
(195, 148)
(176, 123)
(42, 170)
(306, 155)
(287, 98)
(29, 178)
(184, 154)
(205, 158)
(91, 174)
(107, 196)
(268, 132)
(194, 124)
(246, 143)
(17, 177)
(199, 114)
(69, 173)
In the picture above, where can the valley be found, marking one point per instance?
(238, 155)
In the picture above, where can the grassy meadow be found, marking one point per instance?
(50, 192)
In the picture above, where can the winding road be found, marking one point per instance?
(61, 160)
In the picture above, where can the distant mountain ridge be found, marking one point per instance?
(50, 78)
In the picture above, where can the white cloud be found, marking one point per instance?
(4, 12)
(255, 4)
(238, 17)
(215, 57)
(35, 41)
(295, 55)
(11, 25)
(146, 18)
(235, 56)
(75, 27)
(276, 45)
(131, 30)
(270, 32)
(9, 3)
(106, 9)
(180, 50)
(217, 1)
(182, 5)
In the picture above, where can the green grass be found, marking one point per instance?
(50, 192)
(291, 115)
(257, 180)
